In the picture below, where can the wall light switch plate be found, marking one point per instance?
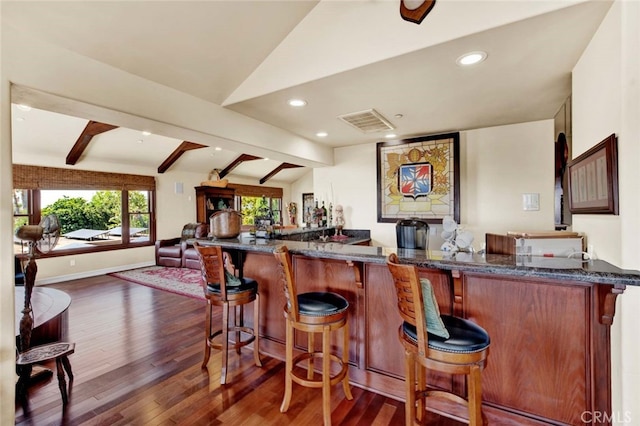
(531, 201)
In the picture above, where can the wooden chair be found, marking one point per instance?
(222, 288)
(315, 312)
(463, 352)
(28, 356)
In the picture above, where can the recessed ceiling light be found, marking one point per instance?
(398, 116)
(23, 107)
(322, 134)
(218, 148)
(19, 118)
(471, 58)
(140, 141)
(297, 102)
(390, 136)
(146, 133)
(266, 158)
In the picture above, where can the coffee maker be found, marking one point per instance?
(412, 233)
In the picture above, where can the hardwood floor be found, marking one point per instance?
(137, 362)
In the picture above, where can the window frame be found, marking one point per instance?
(34, 179)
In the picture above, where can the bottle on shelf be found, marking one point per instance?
(330, 215)
(324, 215)
(317, 215)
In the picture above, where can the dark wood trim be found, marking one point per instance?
(92, 129)
(177, 153)
(277, 170)
(455, 166)
(418, 14)
(235, 163)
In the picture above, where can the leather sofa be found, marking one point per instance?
(173, 252)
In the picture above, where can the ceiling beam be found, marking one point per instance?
(92, 129)
(177, 153)
(235, 163)
(277, 170)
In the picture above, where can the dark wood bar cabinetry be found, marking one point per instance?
(210, 199)
(549, 360)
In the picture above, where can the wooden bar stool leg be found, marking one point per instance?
(474, 396)
(326, 375)
(345, 360)
(421, 401)
(256, 331)
(239, 321)
(288, 367)
(207, 341)
(410, 387)
(225, 342)
(310, 348)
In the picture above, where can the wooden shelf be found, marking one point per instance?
(210, 199)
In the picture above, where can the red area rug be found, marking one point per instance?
(182, 281)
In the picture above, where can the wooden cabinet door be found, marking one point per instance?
(540, 344)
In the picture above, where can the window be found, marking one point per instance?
(260, 210)
(259, 205)
(139, 216)
(94, 219)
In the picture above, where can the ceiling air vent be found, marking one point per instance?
(368, 121)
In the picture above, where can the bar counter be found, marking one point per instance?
(549, 320)
(597, 271)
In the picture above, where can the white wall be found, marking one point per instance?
(499, 164)
(299, 187)
(606, 99)
(491, 199)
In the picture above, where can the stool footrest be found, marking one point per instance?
(317, 383)
(235, 345)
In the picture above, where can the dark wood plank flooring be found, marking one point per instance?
(137, 362)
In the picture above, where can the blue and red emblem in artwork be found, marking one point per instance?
(414, 180)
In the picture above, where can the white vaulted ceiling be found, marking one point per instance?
(340, 56)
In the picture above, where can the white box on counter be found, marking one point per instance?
(549, 244)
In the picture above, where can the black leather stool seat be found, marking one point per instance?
(320, 304)
(246, 284)
(464, 336)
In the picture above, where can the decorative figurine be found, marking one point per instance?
(339, 219)
(292, 209)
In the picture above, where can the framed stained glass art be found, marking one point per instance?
(419, 177)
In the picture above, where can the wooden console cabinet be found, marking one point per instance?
(210, 199)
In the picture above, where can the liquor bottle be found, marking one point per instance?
(330, 215)
(324, 215)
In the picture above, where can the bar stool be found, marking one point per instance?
(451, 345)
(222, 288)
(315, 312)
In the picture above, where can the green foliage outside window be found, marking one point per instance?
(102, 212)
(250, 209)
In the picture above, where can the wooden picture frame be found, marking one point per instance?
(307, 207)
(419, 177)
(593, 179)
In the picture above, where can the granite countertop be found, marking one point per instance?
(597, 271)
